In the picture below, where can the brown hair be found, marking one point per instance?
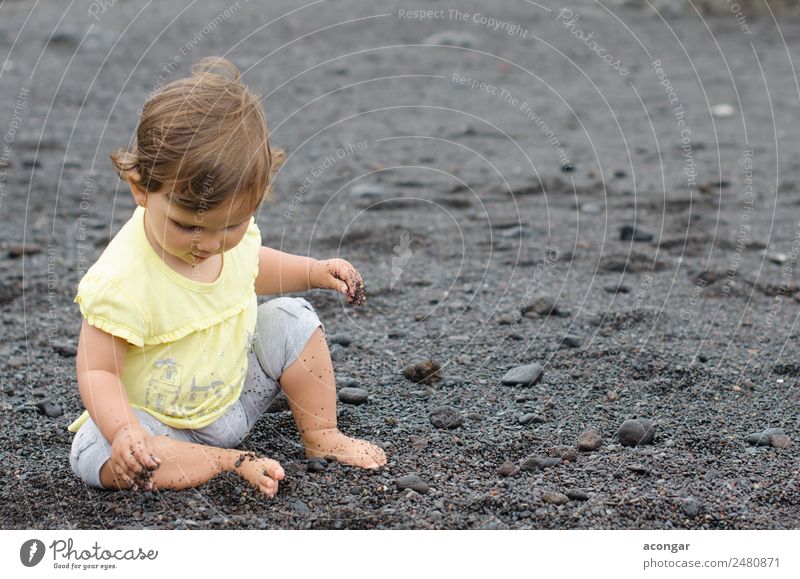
(206, 135)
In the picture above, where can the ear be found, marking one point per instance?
(139, 195)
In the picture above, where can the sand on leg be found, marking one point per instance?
(186, 465)
(310, 388)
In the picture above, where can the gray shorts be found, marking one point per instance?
(283, 327)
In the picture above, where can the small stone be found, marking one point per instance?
(418, 442)
(612, 395)
(528, 418)
(764, 438)
(691, 507)
(66, 350)
(338, 353)
(527, 375)
(445, 417)
(20, 249)
(507, 469)
(567, 167)
(49, 409)
(571, 341)
(300, 507)
(723, 111)
(634, 432)
(451, 38)
(591, 209)
(577, 494)
(541, 306)
(554, 498)
(780, 441)
(631, 233)
(620, 174)
(353, 395)
(346, 382)
(638, 469)
(413, 482)
(368, 191)
(589, 440)
(776, 257)
(423, 372)
(341, 339)
(617, 289)
(539, 463)
(316, 465)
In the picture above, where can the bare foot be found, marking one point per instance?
(261, 472)
(353, 451)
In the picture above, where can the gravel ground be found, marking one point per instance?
(586, 189)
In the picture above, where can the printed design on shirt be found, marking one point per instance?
(165, 394)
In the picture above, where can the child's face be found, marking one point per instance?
(192, 237)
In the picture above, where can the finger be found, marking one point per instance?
(120, 472)
(130, 462)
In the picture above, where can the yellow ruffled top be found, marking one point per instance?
(187, 340)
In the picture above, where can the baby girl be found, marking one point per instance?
(176, 361)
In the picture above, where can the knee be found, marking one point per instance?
(88, 454)
(284, 325)
(279, 313)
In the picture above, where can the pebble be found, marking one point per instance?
(542, 306)
(353, 395)
(528, 418)
(66, 350)
(571, 341)
(617, 289)
(368, 191)
(49, 409)
(413, 482)
(764, 438)
(341, 339)
(631, 233)
(423, 372)
(346, 382)
(338, 353)
(300, 507)
(20, 249)
(691, 507)
(451, 38)
(635, 432)
(591, 209)
(780, 441)
(620, 174)
(316, 465)
(723, 110)
(445, 417)
(638, 469)
(526, 375)
(577, 494)
(555, 498)
(776, 257)
(538, 463)
(507, 469)
(589, 440)
(567, 167)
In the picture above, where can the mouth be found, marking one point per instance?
(198, 257)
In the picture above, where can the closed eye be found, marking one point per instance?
(196, 227)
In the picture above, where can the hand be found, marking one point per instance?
(340, 275)
(132, 457)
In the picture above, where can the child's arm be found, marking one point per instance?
(100, 363)
(280, 272)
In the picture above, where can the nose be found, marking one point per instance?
(210, 244)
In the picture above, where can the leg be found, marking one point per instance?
(291, 348)
(187, 465)
(183, 463)
(310, 387)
